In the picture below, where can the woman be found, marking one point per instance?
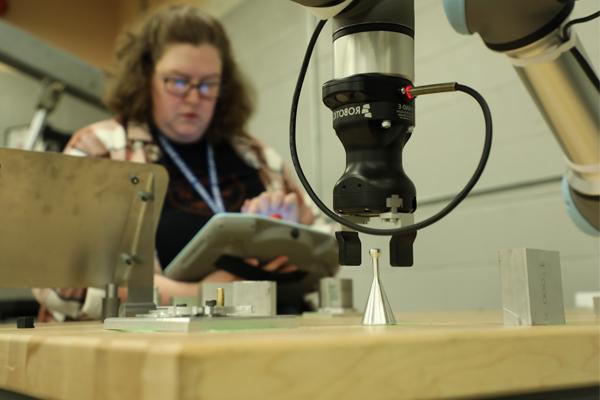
(180, 101)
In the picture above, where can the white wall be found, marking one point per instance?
(456, 259)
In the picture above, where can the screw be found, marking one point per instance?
(220, 297)
(135, 180)
(127, 259)
(145, 196)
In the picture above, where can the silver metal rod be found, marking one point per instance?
(35, 128)
(111, 291)
(111, 302)
(435, 88)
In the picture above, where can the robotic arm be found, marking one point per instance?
(550, 61)
(372, 100)
(373, 60)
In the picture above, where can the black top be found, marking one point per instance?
(184, 212)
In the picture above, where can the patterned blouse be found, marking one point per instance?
(109, 139)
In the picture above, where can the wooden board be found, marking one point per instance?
(433, 356)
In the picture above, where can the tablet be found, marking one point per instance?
(229, 238)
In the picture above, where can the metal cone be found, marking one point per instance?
(378, 310)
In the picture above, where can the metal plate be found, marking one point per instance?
(195, 324)
(63, 218)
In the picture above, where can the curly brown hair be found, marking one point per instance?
(140, 47)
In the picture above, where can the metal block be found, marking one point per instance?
(261, 295)
(531, 287)
(335, 293)
(197, 324)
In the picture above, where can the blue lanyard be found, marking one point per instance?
(215, 202)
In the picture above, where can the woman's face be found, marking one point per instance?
(185, 88)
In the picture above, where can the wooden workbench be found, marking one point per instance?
(425, 356)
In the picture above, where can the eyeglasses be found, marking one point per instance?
(178, 86)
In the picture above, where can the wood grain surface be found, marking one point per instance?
(425, 356)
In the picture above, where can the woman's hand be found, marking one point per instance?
(58, 304)
(277, 204)
(86, 142)
(278, 265)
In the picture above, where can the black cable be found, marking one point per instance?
(384, 232)
(565, 30)
(583, 63)
(586, 67)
